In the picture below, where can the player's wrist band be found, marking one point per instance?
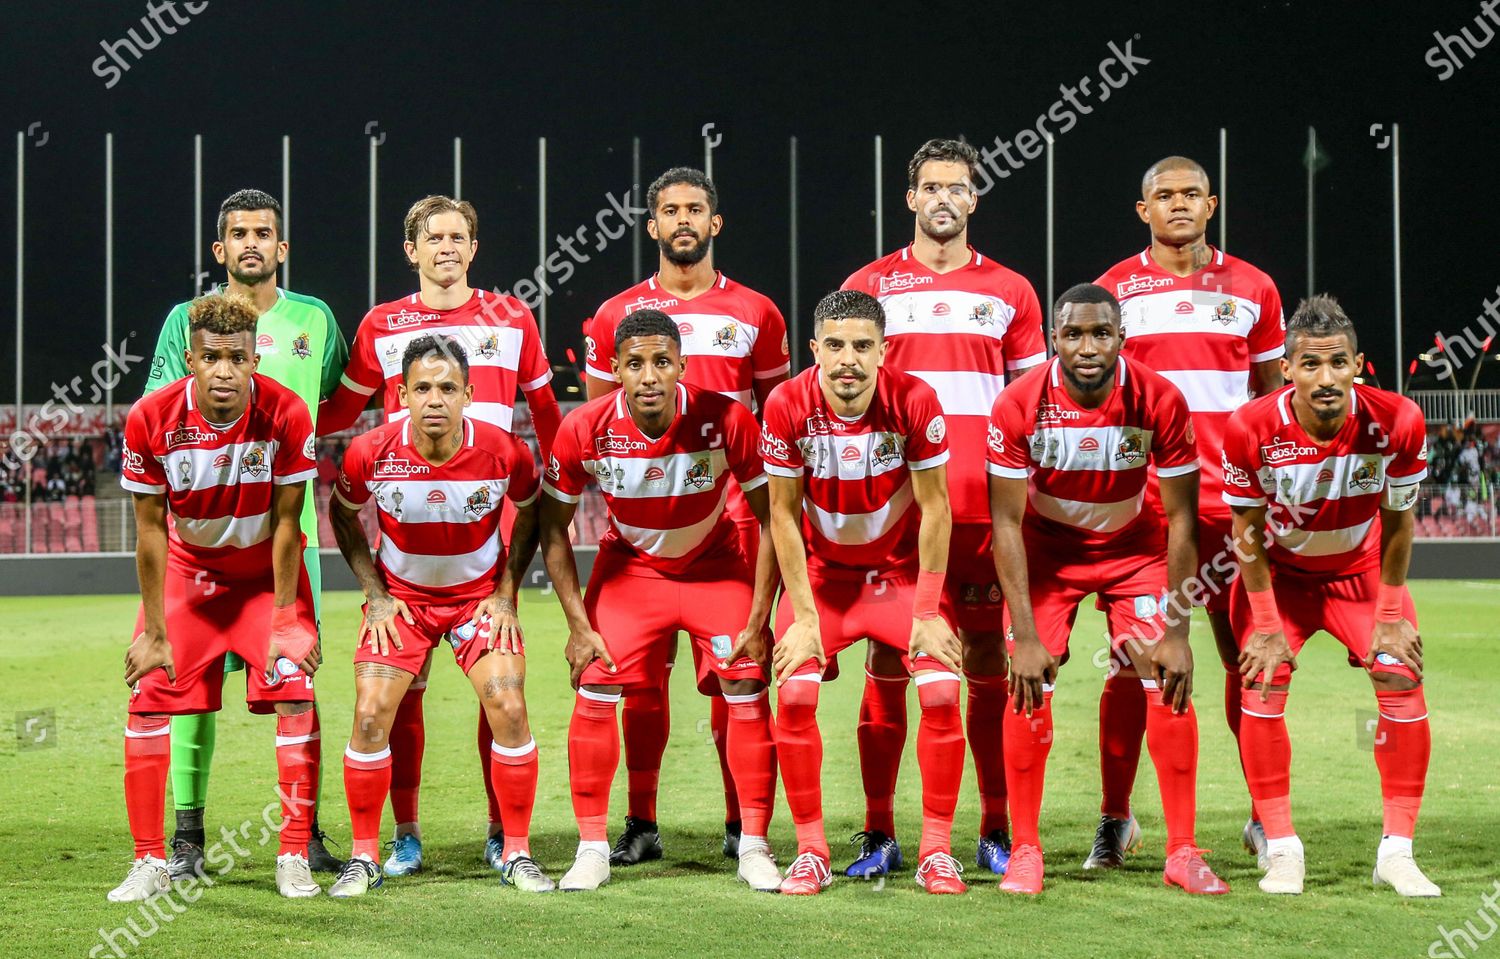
(1264, 616)
(929, 595)
(1390, 603)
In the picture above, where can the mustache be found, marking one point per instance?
(1329, 393)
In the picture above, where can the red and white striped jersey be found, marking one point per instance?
(1203, 332)
(1086, 468)
(665, 494)
(218, 477)
(439, 525)
(1325, 499)
(963, 332)
(856, 496)
(498, 332)
(731, 335)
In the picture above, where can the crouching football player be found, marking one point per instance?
(228, 453)
(437, 477)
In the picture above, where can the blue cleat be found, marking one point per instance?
(878, 855)
(994, 852)
(406, 856)
(494, 852)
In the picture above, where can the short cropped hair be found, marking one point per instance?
(1085, 293)
(1168, 164)
(943, 151)
(431, 344)
(1320, 315)
(849, 305)
(682, 176)
(647, 323)
(244, 201)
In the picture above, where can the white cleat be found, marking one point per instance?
(590, 871)
(1400, 872)
(294, 877)
(357, 877)
(757, 868)
(1254, 838)
(1285, 871)
(147, 877)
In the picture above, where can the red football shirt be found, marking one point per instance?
(1325, 500)
(962, 332)
(1086, 468)
(217, 477)
(857, 501)
(665, 494)
(439, 525)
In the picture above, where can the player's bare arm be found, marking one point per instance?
(584, 642)
(1265, 377)
(1031, 666)
(381, 609)
(1172, 657)
(803, 640)
(289, 637)
(931, 635)
(500, 606)
(1267, 648)
(751, 641)
(1398, 637)
(150, 650)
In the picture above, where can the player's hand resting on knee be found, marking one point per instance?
(1399, 640)
(585, 646)
(750, 644)
(379, 627)
(932, 638)
(801, 642)
(1261, 657)
(1172, 668)
(504, 625)
(150, 650)
(1031, 668)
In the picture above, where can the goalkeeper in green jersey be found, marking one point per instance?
(300, 347)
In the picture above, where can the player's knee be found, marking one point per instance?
(368, 729)
(506, 710)
(1273, 706)
(1394, 682)
(798, 695)
(882, 660)
(936, 690)
(293, 709)
(984, 653)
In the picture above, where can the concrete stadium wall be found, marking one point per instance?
(79, 574)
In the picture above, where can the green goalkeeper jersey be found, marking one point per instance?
(300, 347)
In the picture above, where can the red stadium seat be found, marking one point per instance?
(72, 521)
(90, 525)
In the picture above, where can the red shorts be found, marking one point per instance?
(1342, 605)
(431, 624)
(853, 606)
(1130, 590)
(209, 618)
(971, 591)
(638, 612)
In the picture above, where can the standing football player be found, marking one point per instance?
(301, 347)
(438, 479)
(859, 511)
(662, 452)
(505, 354)
(963, 324)
(1068, 447)
(1211, 324)
(1322, 476)
(227, 453)
(735, 342)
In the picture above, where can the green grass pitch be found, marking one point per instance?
(65, 839)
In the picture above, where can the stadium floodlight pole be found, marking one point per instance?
(1051, 182)
(635, 201)
(374, 169)
(1223, 189)
(879, 202)
(794, 320)
(286, 206)
(1312, 172)
(541, 230)
(109, 268)
(458, 168)
(1396, 243)
(708, 154)
(20, 305)
(198, 214)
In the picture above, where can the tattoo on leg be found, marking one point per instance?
(495, 685)
(380, 671)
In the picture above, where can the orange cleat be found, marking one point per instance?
(939, 874)
(1025, 873)
(808, 875)
(1186, 869)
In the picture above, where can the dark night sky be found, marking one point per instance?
(591, 77)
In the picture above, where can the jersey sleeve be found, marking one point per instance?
(1407, 469)
(167, 364)
(1267, 340)
(599, 345)
(362, 378)
(534, 370)
(140, 470)
(927, 431)
(296, 450)
(772, 355)
(861, 280)
(1174, 447)
(335, 353)
(565, 477)
(1241, 461)
(353, 485)
(1023, 344)
(523, 487)
(778, 445)
(1005, 442)
(742, 446)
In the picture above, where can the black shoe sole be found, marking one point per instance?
(647, 855)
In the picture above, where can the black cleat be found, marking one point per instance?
(639, 842)
(1112, 840)
(318, 857)
(187, 859)
(732, 831)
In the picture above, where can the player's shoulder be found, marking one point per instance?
(1025, 391)
(1387, 407)
(308, 302)
(1119, 272)
(501, 309)
(275, 399)
(796, 391)
(749, 296)
(491, 438)
(163, 401)
(995, 272)
(903, 389)
(1147, 381)
(709, 404)
(1262, 412)
(867, 277)
(393, 315)
(386, 436)
(594, 412)
(637, 295)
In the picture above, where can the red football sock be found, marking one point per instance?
(367, 781)
(514, 775)
(985, 722)
(593, 757)
(1122, 723)
(1266, 753)
(298, 752)
(751, 749)
(799, 746)
(1028, 740)
(882, 738)
(148, 753)
(646, 723)
(940, 756)
(1403, 745)
(1233, 683)
(486, 739)
(718, 724)
(1172, 739)
(408, 743)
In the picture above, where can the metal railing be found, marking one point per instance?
(1456, 406)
